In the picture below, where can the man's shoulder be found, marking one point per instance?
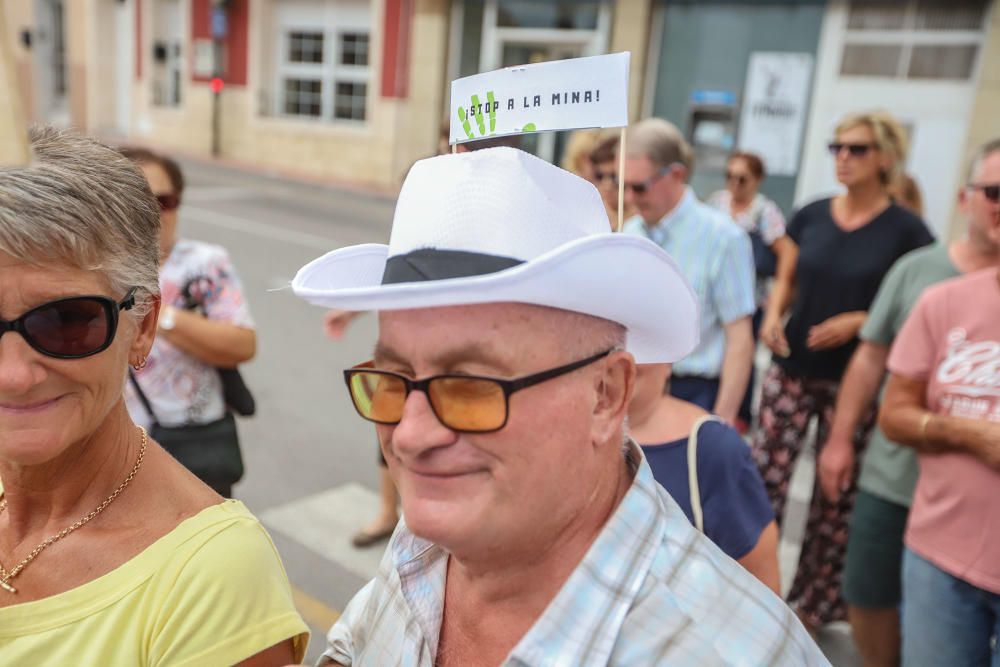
(712, 609)
(965, 286)
(719, 221)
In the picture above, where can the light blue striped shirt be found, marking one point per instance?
(716, 257)
(651, 590)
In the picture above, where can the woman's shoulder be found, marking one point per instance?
(224, 595)
(719, 199)
(903, 218)
(718, 442)
(815, 208)
(219, 531)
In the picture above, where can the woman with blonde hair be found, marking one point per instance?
(841, 249)
(576, 157)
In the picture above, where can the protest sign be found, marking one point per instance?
(560, 95)
(578, 93)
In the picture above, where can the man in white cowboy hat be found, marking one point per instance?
(533, 532)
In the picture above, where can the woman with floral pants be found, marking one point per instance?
(843, 247)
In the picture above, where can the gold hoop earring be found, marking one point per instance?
(139, 366)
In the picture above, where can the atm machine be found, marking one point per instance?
(711, 130)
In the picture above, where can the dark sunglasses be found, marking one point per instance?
(464, 403)
(739, 179)
(854, 150)
(991, 192)
(71, 328)
(601, 176)
(168, 202)
(642, 187)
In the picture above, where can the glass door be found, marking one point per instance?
(546, 145)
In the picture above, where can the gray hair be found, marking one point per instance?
(80, 203)
(983, 152)
(661, 142)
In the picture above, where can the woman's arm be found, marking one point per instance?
(836, 331)
(762, 560)
(905, 419)
(772, 330)
(275, 656)
(213, 342)
(787, 253)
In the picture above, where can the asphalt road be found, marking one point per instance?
(311, 461)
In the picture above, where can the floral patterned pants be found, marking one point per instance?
(788, 404)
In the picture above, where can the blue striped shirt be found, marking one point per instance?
(716, 257)
(651, 590)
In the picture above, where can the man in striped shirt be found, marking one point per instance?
(714, 255)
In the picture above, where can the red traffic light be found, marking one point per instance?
(216, 85)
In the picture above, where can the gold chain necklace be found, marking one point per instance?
(5, 576)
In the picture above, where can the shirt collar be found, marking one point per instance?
(660, 229)
(590, 607)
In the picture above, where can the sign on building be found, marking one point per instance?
(774, 109)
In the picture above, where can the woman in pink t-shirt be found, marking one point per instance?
(943, 399)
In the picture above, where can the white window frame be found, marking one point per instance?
(176, 63)
(333, 24)
(908, 36)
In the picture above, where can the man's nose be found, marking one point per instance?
(419, 430)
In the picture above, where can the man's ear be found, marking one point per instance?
(143, 342)
(615, 386)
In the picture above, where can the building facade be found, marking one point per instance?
(356, 90)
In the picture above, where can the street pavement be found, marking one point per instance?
(310, 460)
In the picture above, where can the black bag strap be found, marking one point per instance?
(142, 398)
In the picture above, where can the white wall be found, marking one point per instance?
(937, 112)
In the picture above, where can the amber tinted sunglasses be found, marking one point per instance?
(465, 403)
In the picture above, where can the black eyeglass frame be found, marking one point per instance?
(111, 309)
(741, 179)
(854, 149)
(507, 385)
(990, 190)
(642, 187)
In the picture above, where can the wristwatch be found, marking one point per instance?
(167, 321)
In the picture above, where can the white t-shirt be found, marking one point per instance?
(181, 389)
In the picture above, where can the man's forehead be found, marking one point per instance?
(506, 329)
(478, 316)
(989, 167)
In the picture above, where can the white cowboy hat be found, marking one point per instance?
(500, 225)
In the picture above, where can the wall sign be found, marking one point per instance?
(774, 109)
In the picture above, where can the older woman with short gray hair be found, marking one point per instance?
(110, 551)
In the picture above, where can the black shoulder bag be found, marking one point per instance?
(764, 260)
(211, 451)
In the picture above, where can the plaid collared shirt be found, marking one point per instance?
(651, 590)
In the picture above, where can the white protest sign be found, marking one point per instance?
(560, 95)
(774, 109)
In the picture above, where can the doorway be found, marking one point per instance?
(519, 32)
(50, 62)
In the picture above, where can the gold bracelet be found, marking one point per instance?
(924, 421)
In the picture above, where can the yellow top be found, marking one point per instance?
(212, 591)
